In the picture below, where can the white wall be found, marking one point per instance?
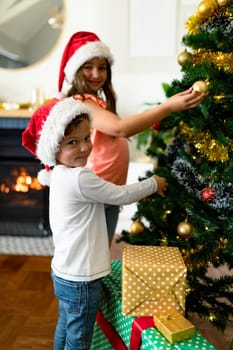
(137, 78)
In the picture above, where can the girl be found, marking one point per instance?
(85, 73)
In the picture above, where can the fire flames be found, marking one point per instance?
(23, 183)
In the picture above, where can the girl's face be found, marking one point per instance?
(95, 74)
(76, 146)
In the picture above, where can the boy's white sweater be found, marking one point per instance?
(77, 219)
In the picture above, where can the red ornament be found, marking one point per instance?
(208, 194)
(155, 126)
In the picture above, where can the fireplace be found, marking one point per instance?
(23, 201)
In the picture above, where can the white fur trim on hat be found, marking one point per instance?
(85, 53)
(52, 131)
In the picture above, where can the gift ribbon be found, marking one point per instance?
(110, 332)
(138, 326)
(169, 316)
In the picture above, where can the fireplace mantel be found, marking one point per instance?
(17, 113)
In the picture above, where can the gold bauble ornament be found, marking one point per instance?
(185, 229)
(201, 86)
(223, 2)
(137, 227)
(183, 57)
(205, 8)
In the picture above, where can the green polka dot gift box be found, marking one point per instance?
(153, 280)
(115, 331)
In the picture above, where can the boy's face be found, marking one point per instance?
(95, 74)
(76, 146)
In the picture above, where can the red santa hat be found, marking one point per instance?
(82, 47)
(46, 129)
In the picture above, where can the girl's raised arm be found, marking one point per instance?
(111, 124)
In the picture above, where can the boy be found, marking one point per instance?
(59, 135)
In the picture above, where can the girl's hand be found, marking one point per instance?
(161, 184)
(184, 100)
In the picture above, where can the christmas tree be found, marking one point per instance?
(194, 151)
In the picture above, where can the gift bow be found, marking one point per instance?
(169, 317)
(138, 326)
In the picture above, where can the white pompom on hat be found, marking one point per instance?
(46, 130)
(81, 47)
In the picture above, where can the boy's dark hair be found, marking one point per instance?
(77, 120)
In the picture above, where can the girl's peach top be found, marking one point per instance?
(109, 158)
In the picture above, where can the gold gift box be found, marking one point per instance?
(175, 327)
(153, 279)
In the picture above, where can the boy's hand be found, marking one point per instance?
(161, 184)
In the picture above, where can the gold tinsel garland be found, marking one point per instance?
(193, 23)
(220, 59)
(205, 144)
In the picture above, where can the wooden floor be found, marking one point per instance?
(28, 308)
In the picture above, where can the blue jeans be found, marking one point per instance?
(78, 306)
(111, 214)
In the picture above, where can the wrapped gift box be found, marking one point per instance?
(174, 326)
(153, 279)
(133, 332)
